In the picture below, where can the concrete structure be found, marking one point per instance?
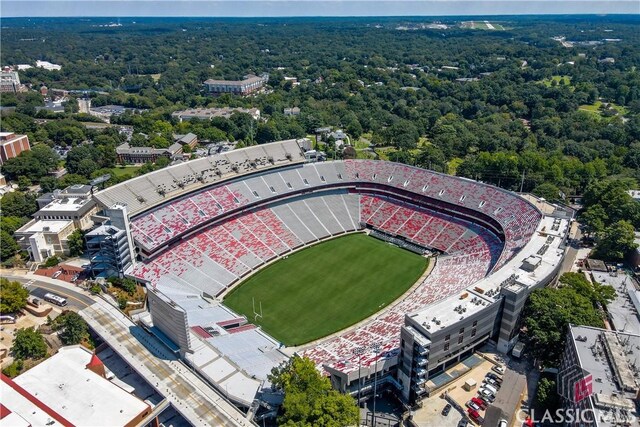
(138, 155)
(72, 384)
(74, 203)
(192, 397)
(442, 334)
(210, 113)
(248, 85)
(190, 139)
(110, 246)
(294, 111)
(48, 66)
(11, 145)
(9, 81)
(235, 356)
(43, 239)
(624, 310)
(599, 376)
(61, 213)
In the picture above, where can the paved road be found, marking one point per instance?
(38, 288)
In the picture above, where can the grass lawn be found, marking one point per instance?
(327, 287)
(121, 171)
(558, 79)
(595, 108)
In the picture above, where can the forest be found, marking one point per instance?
(549, 105)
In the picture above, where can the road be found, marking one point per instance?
(38, 288)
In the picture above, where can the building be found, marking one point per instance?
(445, 333)
(48, 66)
(43, 239)
(248, 85)
(190, 139)
(61, 213)
(74, 203)
(110, 246)
(11, 145)
(234, 355)
(9, 81)
(294, 111)
(138, 155)
(210, 113)
(598, 376)
(69, 389)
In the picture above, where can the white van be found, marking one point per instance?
(491, 388)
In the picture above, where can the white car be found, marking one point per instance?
(491, 388)
(484, 392)
(499, 369)
(502, 423)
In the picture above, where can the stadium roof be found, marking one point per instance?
(143, 192)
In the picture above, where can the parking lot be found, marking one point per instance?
(430, 413)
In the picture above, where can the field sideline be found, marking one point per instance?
(327, 287)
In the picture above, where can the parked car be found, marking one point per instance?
(463, 423)
(475, 416)
(494, 377)
(499, 369)
(492, 389)
(446, 409)
(486, 400)
(493, 382)
(472, 405)
(502, 423)
(482, 404)
(486, 394)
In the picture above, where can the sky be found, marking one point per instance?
(261, 8)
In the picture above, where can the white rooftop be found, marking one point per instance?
(53, 226)
(63, 383)
(67, 204)
(23, 412)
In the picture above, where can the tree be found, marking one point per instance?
(29, 344)
(548, 191)
(13, 296)
(8, 245)
(546, 316)
(76, 243)
(546, 395)
(18, 204)
(34, 164)
(617, 241)
(594, 219)
(597, 293)
(309, 399)
(72, 327)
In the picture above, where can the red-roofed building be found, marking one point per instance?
(11, 145)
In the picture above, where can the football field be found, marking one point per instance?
(327, 287)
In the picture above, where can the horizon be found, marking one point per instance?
(310, 9)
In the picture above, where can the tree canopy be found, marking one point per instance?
(309, 398)
(13, 296)
(72, 327)
(548, 313)
(29, 344)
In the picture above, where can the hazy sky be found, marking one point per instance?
(257, 8)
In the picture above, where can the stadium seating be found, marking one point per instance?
(229, 248)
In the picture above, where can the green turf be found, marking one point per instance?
(327, 287)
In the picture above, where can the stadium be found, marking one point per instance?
(369, 268)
